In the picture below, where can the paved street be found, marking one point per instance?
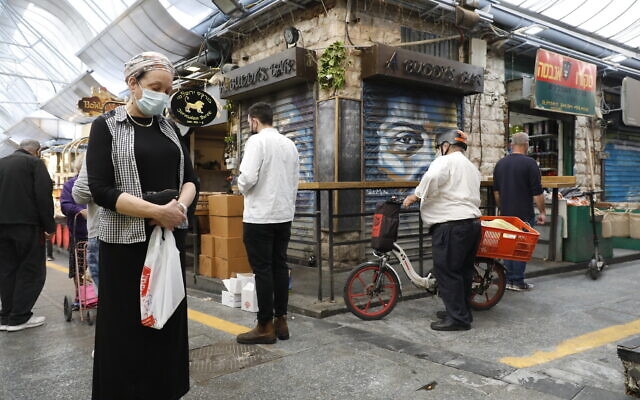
(555, 342)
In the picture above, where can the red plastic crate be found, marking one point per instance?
(507, 244)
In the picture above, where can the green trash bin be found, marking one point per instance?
(578, 246)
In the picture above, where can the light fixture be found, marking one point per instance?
(230, 8)
(466, 18)
(531, 30)
(615, 58)
(218, 51)
(291, 35)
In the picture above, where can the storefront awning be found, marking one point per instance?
(28, 128)
(145, 26)
(65, 104)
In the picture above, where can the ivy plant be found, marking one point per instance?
(230, 145)
(332, 65)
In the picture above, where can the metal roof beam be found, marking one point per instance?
(37, 78)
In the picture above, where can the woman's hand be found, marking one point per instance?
(169, 215)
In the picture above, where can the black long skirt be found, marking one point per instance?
(134, 362)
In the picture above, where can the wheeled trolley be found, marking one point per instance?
(85, 301)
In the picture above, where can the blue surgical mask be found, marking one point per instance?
(152, 103)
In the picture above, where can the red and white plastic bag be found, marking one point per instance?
(161, 284)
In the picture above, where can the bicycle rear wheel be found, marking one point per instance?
(489, 283)
(365, 296)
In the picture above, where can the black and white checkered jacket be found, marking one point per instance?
(116, 227)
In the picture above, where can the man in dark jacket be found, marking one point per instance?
(26, 221)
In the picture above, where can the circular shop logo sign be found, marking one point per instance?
(193, 107)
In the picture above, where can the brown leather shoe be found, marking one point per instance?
(282, 330)
(263, 333)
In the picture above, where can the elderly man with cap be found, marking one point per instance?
(449, 195)
(134, 152)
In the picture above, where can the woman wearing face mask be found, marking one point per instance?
(134, 151)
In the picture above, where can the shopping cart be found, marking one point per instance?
(86, 299)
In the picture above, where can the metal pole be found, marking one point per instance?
(330, 244)
(318, 238)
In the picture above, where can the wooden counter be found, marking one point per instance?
(356, 185)
(550, 182)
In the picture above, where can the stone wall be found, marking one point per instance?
(485, 115)
(587, 172)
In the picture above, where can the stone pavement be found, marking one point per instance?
(340, 356)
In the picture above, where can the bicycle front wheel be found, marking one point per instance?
(489, 283)
(370, 292)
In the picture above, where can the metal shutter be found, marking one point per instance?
(622, 169)
(399, 127)
(294, 116)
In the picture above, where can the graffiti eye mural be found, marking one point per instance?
(402, 138)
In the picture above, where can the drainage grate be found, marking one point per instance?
(222, 358)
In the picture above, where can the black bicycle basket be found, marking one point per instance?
(384, 230)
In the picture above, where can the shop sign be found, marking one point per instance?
(291, 66)
(564, 84)
(193, 107)
(99, 102)
(392, 63)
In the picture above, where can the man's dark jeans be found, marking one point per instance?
(22, 271)
(266, 246)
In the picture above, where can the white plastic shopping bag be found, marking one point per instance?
(161, 285)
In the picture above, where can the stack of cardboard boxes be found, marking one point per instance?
(222, 250)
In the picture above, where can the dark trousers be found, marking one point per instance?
(454, 246)
(22, 271)
(266, 246)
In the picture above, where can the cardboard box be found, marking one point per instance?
(234, 285)
(231, 299)
(206, 266)
(207, 245)
(226, 268)
(249, 298)
(203, 224)
(226, 205)
(229, 247)
(225, 226)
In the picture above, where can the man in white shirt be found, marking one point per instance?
(269, 174)
(449, 195)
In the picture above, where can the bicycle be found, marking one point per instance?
(373, 288)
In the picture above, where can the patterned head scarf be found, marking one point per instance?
(147, 61)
